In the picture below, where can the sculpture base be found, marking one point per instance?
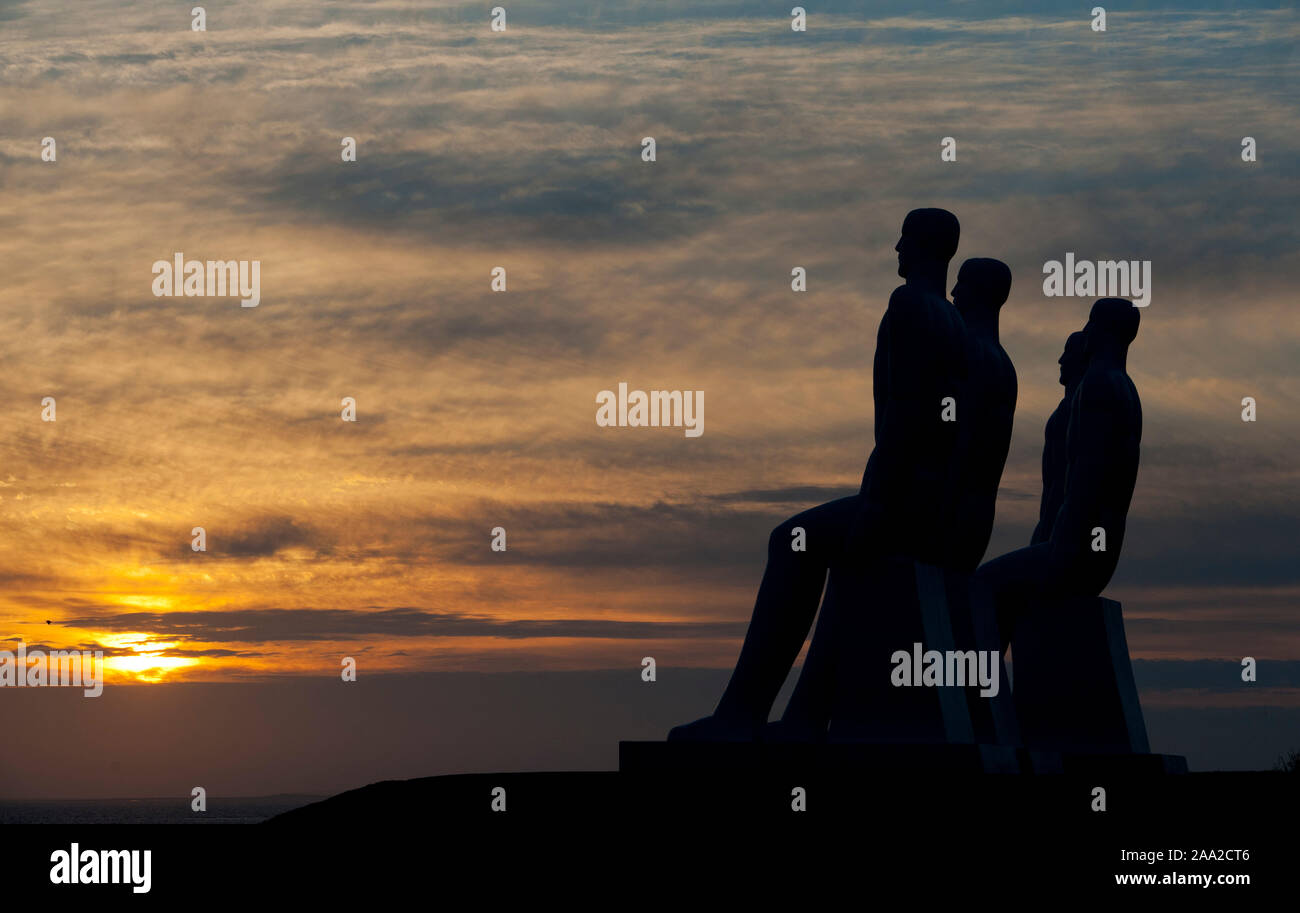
(872, 615)
(837, 758)
(1096, 764)
(1073, 680)
(804, 758)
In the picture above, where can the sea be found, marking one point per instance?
(169, 810)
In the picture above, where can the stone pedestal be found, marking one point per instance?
(1099, 764)
(1074, 710)
(812, 759)
(1074, 690)
(871, 613)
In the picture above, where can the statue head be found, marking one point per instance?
(929, 239)
(982, 283)
(1112, 325)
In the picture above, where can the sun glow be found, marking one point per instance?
(147, 664)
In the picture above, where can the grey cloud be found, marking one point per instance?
(263, 625)
(267, 536)
(797, 494)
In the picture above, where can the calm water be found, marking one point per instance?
(146, 811)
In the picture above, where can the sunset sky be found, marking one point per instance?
(476, 409)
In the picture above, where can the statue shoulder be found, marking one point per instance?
(1107, 392)
(910, 307)
(903, 298)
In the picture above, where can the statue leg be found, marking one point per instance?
(783, 614)
(1013, 580)
(808, 713)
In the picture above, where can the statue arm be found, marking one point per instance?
(896, 438)
(1043, 529)
(1097, 420)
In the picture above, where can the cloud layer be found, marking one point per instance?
(476, 409)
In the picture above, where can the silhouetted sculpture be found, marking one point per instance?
(905, 505)
(1103, 438)
(1074, 691)
(987, 406)
(984, 411)
(1072, 362)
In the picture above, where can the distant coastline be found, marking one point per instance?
(166, 810)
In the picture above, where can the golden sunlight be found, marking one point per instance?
(147, 665)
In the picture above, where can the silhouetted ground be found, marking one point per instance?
(1019, 828)
(569, 835)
